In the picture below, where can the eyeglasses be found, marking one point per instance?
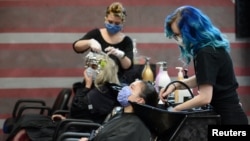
(112, 22)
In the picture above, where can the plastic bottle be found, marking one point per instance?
(180, 75)
(182, 95)
(147, 73)
(180, 78)
(135, 52)
(162, 78)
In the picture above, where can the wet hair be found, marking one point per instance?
(117, 9)
(197, 31)
(149, 93)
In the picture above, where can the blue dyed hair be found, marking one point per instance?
(197, 31)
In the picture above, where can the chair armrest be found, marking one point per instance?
(72, 136)
(79, 127)
(42, 108)
(87, 125)
(21, 101)
(62, 123)
(62, 112)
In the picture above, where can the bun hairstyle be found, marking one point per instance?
(117, 9)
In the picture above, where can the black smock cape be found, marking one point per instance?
(126, 127)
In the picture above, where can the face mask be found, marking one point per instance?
(179, 41)
(112, 28)
(91, 72)
(123, 95)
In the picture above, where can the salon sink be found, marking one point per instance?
(161, 121)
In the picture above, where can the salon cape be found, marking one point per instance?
(126, 127)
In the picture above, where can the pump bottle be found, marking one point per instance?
(181, 95)
(179, 78)
(147, 73)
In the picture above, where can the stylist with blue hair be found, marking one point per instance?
(199, 40)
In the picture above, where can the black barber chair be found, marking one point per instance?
(36, 106)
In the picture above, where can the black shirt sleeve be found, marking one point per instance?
(214, 66)
(89, 35)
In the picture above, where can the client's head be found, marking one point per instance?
(104, 68)
(139, 91)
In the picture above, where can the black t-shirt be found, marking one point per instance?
(214, 66)
(127, 127)
(125, 45)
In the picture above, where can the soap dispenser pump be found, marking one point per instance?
(185, 74)
(180, 74)
(182, 95)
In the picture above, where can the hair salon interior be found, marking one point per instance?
(36, 36)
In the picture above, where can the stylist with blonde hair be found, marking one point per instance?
(110, 39)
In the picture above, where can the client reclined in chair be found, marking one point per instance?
(126, 125)
(94, 99)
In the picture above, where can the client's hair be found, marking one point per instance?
(149, 94)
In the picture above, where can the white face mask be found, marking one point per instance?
(91, 72)
(179, 41)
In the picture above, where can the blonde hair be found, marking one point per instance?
(117, 9)
(108, 73)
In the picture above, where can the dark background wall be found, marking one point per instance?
(242, 18)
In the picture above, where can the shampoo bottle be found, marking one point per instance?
(162, 78)
(147, 73)
(179, 78)
(182, 95)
